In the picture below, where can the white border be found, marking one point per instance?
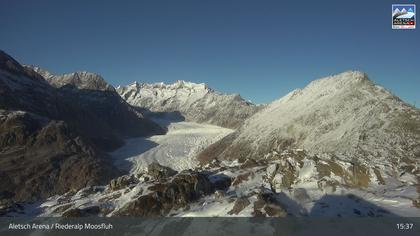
(404, 27)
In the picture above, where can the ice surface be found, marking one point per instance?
(176, 149)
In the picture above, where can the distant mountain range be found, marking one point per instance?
(195, 102)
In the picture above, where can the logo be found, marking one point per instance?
(403, 16)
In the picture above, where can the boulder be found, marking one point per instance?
(157, 171)
(268, 202)
(77, 212)
(145, 206)
(122, 182)
(184, 188)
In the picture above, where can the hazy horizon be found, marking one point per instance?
(261, 50)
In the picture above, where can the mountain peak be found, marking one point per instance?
(135, 85)
(190, 85)
(178, 85)
(346, 81)
(44, 73)
(79, 79)
(342, 79)
(86, 80)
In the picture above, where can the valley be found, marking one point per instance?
(307, 187)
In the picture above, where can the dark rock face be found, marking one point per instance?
(52, 140)
(144, 206)
(186, 187)
(41, 157)
(267, 202)
(122, 182)
(101, 116)
(158, 171)
(114, 118)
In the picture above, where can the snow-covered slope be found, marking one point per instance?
(253, 188)
(196, 102)
(350, 133)
(346, 114)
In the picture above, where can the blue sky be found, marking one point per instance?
(260, 49)
(400, 7)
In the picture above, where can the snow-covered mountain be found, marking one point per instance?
(196, 102)
(344, 130)
(343, 114)
(81, 80)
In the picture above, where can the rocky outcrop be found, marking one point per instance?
(184, 188)
(77, 212)
(157, 171)
(267, 204)
(122, 182)
(42, 157)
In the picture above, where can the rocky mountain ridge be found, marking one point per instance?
(81, 79)
(53, 140)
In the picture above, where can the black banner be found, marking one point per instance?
(211, 226)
